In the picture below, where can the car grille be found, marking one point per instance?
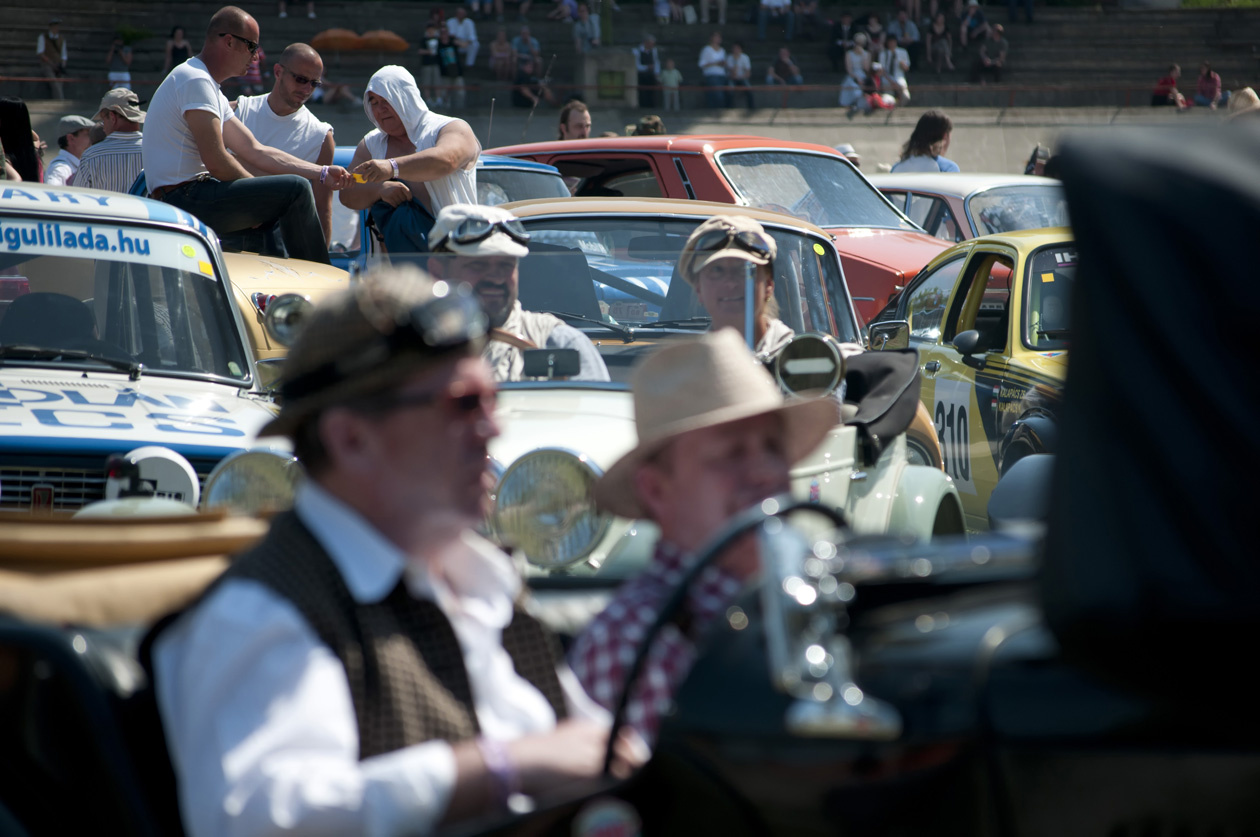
(72, 487)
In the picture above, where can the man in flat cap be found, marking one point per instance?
(115, 162)
(482, 246)
(716, 437)
(368, 668)
(73, 138)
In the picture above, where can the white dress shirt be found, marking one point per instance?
(257, 710)
(61, 169)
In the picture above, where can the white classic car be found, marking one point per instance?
(118, 332)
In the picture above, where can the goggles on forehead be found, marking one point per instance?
(446, 322)
(714, 240)
(472, 230)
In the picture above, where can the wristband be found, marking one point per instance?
(394, 164)
(323, 175)
(503, 775)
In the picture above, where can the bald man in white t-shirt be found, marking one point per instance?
(281, 119)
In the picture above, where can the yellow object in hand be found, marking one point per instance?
(358, 178)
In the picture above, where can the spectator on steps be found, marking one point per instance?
(784, 70)
(667, 11)
(776, 12)
(430, 67)
(585, 31)
(721, 10)
(739, 71)
(118, 63)
(178, 50)
(527, 46)
(896, 63)
(647, 63)
(807, 20)
(973, 26)
(842, 32)
(671, 80)
(464, 33)
(1166, 92)
(875, 31)
(502, 57)
(1210, 94)
(940, 44)
(713, 67)
(1012, 7)
(991, 61)
(282, 9)
(50, 47)
(857, 63)
(565, 11)
(907, 34)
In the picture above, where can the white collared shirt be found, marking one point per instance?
(61, 169)
(257, 710)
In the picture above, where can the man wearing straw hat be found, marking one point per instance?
(367, 668)
(716, 437)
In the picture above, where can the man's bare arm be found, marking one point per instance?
(208, 135)
(323, 195)
(456, 148)
(264, 158)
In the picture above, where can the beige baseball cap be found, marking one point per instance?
(706, 244)
(123, 102)
(471, 230)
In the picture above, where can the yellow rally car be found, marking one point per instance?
(989, 319)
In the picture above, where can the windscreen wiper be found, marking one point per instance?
(690, 322)
(1053, 333)
(624, 332)
(28, 352)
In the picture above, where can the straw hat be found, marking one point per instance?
(702, 383)
(1242, 102)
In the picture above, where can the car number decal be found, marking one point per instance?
(951, 413)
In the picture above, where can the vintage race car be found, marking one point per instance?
(880, 248)
(607, 267)
(499, 180)
(955, 207)
(117, 332)
(989, 320)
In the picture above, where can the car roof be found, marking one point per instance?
(62, 201)
(955, 184)
(653, 206)
(688, 144)
(1020, 240)
(343, 154)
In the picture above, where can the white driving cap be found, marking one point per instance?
(498, 243)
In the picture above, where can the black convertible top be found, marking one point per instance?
(1152, 566)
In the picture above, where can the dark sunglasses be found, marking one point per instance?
(464, 404)
(445, 322)
(472, 230)
(313, 82)
(252, 46)
(715, 240)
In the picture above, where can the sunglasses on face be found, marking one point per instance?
(472, 230)
(457, 402)
(715, 240)
(303, 80)
(252, 46)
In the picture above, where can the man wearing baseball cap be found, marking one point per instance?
(714, 262)
(367, 668)
(482, 246)
(716, 437)
(115, 162)
(73, 138)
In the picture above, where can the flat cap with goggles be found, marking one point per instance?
(725, 237)
(469, 230)
(357, 344)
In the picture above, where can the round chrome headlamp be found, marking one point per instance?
(252, 482)
(544, 507)
(284, 317)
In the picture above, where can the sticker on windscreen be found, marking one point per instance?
(25, 238)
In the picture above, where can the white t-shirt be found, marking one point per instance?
(299, 133)
(464, 30)
(61, 169)
(893, 63)
(917, 163)
(170, 153)
(739, 66)
(708, 56)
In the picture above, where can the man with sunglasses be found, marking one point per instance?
(368, 668)
(190, 130)
(281, 119)
(482, 246)
(714, 262)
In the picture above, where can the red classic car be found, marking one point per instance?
(880, 248)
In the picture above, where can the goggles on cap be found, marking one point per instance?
(472, 230)
(714, 240)
(438, 325)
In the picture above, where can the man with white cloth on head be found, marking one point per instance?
(411, 147)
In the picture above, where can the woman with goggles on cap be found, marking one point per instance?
(714, 261)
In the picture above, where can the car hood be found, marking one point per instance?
(597, 423)
(903, 250)
(69, 406)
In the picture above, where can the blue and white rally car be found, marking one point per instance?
(118, 332)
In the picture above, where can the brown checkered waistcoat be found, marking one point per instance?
(402, 658)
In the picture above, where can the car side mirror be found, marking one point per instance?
(892, 334)
(270, 370)
(551, 363)
(968, 345)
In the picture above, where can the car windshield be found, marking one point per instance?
(1048, 287)
(823, 190)
(111, 295)
(1012, 208)
(496, 186)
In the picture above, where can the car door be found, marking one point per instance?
(962, 399)
(935, 216)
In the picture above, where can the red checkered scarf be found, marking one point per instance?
(604, 652)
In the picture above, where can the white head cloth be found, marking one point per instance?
(397, 86)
